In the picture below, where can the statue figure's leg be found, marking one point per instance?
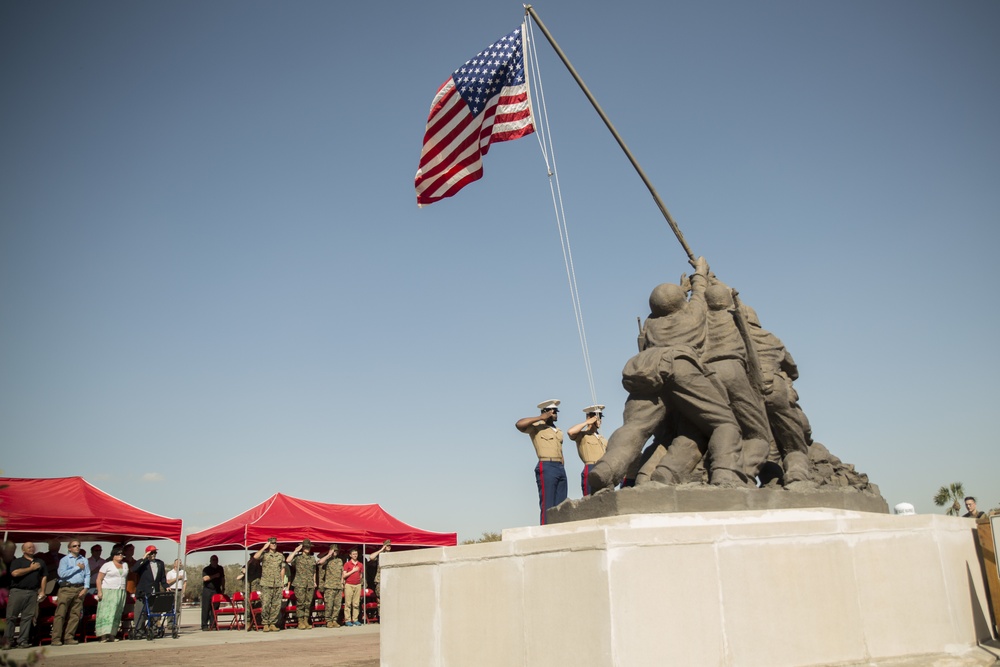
(786, 423)
(682, 456)
(650, 458)
(699, 400)
(641, 416)
(749, 409)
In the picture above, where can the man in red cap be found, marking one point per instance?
(151, 576)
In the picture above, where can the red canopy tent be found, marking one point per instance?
(37, 509)
(293, 519)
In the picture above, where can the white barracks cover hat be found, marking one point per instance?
(599, 409)
(549, 404)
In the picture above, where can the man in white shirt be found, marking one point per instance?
(177, 578)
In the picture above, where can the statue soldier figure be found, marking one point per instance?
(668, 374)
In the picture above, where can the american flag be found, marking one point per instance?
(485, 100)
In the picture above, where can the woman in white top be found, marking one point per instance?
(110, 596)
(177, 574)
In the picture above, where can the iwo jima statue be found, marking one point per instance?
(712, 386)
(715, 392)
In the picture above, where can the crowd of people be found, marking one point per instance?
(73, 580)
(270, 573)
(70, 578)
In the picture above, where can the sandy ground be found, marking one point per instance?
(340, 647)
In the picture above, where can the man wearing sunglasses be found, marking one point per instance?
(550, 474)
(590, 444)
(74, 577)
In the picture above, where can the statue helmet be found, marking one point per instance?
(718, 297)
(665, 299)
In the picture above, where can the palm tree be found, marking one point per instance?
(953, 493)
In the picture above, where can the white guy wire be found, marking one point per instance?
(543, 130)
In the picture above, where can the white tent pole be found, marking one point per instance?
(178, 597)
(247, 608)
(364, 584)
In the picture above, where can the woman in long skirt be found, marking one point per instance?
(110, 596)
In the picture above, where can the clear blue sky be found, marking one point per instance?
(215, 283)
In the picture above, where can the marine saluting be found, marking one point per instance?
(550, 473)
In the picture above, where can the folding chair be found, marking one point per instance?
(239, 609)
(369, 606)
(128, 616)
(288, 610)
(88, 621)
(256, 610)
(222, 606)
(319, 609)
(44, 617)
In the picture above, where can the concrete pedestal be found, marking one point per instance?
(768, 588)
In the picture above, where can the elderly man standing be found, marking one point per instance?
(151, 577)
(74, 578)
(550, 473)
(28, 578)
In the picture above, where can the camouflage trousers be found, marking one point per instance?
(333, 599)
(303, 604)
(270, 597)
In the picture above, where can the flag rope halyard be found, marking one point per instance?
(543, 131)
(530, 11)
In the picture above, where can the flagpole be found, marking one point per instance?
(621, 142)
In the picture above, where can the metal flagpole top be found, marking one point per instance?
(529, 10)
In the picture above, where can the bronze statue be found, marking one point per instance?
(668, 375)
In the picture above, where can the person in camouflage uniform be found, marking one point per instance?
(373, 558)
(272, 570)
(332, 568)
(304, 583)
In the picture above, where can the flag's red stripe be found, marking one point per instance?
(455, 141)
(473, 160)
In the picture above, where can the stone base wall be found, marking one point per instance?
(752, 588)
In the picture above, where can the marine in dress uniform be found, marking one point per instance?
(590, 444)
(550, 473)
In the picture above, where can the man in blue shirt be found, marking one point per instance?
(74, 577)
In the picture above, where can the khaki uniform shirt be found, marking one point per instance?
(547, 441)
(590, 447)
